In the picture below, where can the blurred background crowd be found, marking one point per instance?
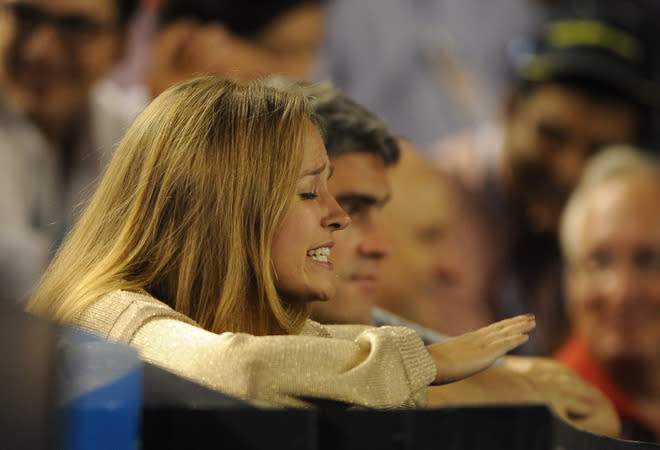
(529, 179)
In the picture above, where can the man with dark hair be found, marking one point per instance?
(588, 77)
(54, 123)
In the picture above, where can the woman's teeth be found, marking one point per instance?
(319, 254)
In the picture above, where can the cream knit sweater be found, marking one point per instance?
(375, 367)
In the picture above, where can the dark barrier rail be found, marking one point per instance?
(180, 414)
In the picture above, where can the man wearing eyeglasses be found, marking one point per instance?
(54, 127)
(610, 238)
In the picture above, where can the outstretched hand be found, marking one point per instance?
(469, 353)
(567, 394)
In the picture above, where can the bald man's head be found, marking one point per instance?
(425, 277)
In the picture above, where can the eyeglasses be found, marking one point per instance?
(601, 265)
(72, 28)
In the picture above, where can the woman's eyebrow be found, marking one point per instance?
(312, 172)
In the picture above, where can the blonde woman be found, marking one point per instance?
(207, 239)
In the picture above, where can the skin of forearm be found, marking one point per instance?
(495, 385)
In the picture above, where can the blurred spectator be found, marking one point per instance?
(54, 126)
(430, 278)
(429, 68)
(245, 40)
(587, 78)
(610, 236)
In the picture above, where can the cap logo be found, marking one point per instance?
(572, 33)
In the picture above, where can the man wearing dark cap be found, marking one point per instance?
(587, 78)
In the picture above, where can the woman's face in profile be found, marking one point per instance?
(302, 247)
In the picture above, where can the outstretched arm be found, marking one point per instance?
(495, 385)
(380, 367)
(470, 353)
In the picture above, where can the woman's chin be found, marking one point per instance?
(321, 295)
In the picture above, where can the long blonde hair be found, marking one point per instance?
(188, 208)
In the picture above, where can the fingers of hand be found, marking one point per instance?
(514, 329)
(571, 395)
(581, 393)
(508, 343)
(575, 407)
(524, 321)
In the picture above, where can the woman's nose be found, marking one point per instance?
(336, 219)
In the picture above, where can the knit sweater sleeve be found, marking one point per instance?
(382, 367)
(374, 367)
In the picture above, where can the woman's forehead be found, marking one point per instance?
(314, 153)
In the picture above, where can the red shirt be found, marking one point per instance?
(575, 354)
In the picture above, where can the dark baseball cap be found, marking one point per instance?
(611, 43)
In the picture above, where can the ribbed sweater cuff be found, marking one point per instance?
(419, 365)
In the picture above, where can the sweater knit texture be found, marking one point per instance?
(378, 367)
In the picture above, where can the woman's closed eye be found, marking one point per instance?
(309, 195)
